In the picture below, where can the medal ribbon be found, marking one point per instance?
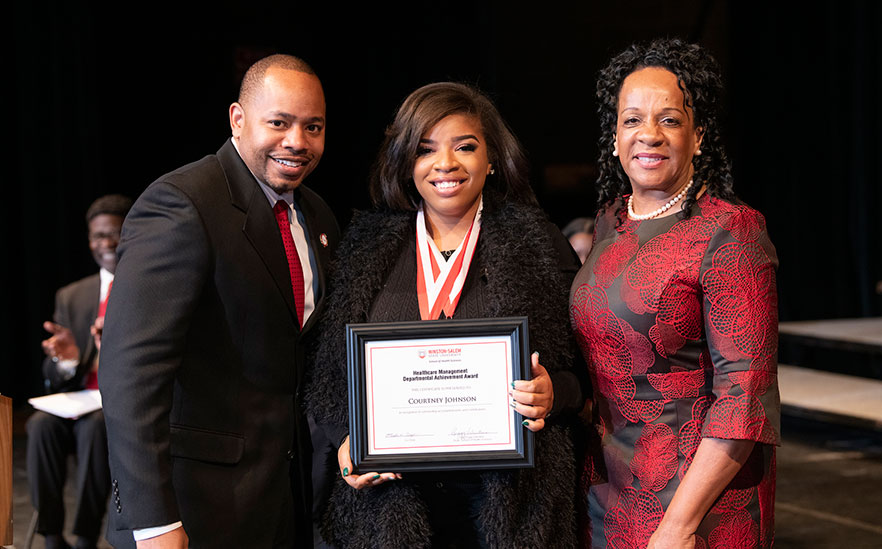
(440, 282)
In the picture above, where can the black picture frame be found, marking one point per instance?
(358, 335)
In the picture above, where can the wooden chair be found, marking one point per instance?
(5, 470)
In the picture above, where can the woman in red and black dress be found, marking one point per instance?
(676, 312)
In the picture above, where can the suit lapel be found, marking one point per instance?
(260, 225)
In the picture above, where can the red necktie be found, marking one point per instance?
(92, 376)
(102, 307)
(294, 266)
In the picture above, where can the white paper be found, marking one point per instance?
(68, 405)
(439, 395)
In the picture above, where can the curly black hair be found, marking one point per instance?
(698, 75)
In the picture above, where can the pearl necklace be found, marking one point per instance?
(659, 211)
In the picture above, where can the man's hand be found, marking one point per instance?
(176, 539)
(61, 345)
(96, 330)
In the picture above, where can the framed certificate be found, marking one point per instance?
(434, 395)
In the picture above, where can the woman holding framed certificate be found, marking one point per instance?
(456, 233)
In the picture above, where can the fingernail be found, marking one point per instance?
(376, 477)
(346, 471)
(512, 385)
(536, 353)
(525, 423)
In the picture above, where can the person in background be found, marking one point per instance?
(676, 313)
(580, 233)
(70, 365)
(219, 286)
(451, 187)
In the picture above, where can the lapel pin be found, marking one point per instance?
(324, 240)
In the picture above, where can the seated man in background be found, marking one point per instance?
(70, 365)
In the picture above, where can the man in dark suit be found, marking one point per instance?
(218, 289)
(70, 364)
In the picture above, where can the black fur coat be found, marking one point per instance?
(520, 253)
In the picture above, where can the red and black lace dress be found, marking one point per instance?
(677, 319)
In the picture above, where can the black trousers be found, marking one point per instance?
(50, 440)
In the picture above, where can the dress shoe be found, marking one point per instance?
(83, 543)
(55, 541)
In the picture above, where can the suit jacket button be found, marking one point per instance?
(291, 454)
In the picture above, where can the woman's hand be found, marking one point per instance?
(533, 399)
(363, 480)
(665, 538)
(715, 464)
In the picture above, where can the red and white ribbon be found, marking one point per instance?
(440, 282)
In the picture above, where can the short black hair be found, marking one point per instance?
(254, 75)
(698, 75)
(392, 186)
(111, 204)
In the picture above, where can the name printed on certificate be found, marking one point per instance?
(439, 395)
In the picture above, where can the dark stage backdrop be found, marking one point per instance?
(104, 101)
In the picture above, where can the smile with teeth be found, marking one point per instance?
(289, 163)
(446, 184)
(654, 159)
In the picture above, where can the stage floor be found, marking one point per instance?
(831, 397)
(857, 333)
(829, 487)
